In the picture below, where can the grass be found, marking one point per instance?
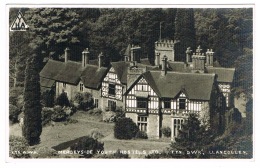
(61, 135)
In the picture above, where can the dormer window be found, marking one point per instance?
(182, 104)
(112, 89)
(141, 102)
(167, 103)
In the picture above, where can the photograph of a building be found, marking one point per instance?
(156, 77)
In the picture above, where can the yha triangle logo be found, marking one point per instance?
(19, 23)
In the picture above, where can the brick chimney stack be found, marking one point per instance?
(157, 59)
(198, 61)
(164, 65)
(209, 57)
(85, 57)
(188, 55)
(67, 54)
(100, 60)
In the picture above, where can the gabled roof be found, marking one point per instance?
(196, 86)
(178, 66)
(47, 83)
(223, 74)
(51, 69)
(121, 69)
(92, 76)
(72, 72)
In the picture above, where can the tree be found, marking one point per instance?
(32, 106)
(192, 137)
(125, 128)
(184, 32)
(54, 29)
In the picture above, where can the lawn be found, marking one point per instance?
(58, 133)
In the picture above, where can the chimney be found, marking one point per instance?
(164, 67)
(126, 58)
(209, 57)
(67, 54)
(100, 60)
(198, 61)
(157, 59)
(85, 57)
(188, 55)
(135, 53)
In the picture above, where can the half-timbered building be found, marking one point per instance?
(165, 99)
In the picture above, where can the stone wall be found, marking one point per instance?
(153, 126)
(166, 121)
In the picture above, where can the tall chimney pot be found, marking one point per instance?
(67, 54)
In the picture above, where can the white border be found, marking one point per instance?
(109, 162)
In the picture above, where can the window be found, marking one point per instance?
(111, 105)
(96, 103)
(64, 85)
(167, 103)
(182, 104)
(177, 125)
(81, 87)
(142, 123)
(111, 89)
(141, 102)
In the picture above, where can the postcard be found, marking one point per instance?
(128, 82)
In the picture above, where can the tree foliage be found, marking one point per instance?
(229, 32)
(53, 29)
(184, 32)
(193, 137)
(32, 106)
(125, 128)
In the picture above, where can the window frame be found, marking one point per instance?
(182, 104)
(111, 105)
(141, 101)
(167, 103)
(111, 90)
(177, 125)
(81, 87)
(142, 123)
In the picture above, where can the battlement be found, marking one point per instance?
(164, 44)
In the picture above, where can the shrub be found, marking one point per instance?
(125, 128)
(48, 98)
(95, 111)
(58, 114)
(18, 147)
(46, 115)
(141, 135)
(63, 100)
(96, 134)
(166, 131)
(13, 113)
(87, 144)
(70, 121)
(85, 100)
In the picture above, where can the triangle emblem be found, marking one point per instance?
(19, 23)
